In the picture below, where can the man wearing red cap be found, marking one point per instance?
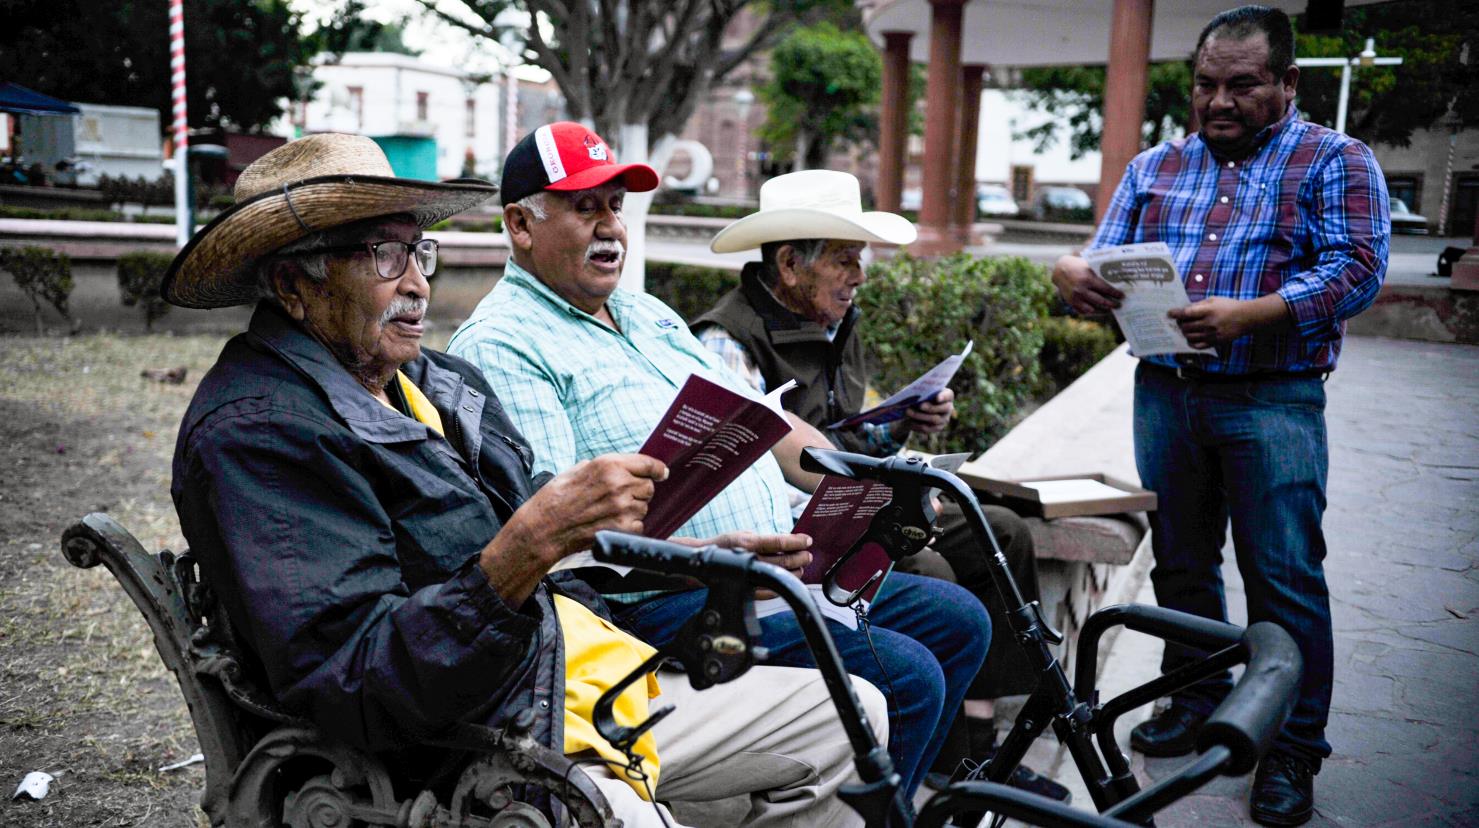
(585, 369)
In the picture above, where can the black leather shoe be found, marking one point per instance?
(1283, 791)
(1173, 733)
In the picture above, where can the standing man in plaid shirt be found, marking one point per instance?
(1280, 229)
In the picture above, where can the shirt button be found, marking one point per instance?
(467, 408)
(474, 392)
(1198, 277)
(1211, 237)
(1231, 164)
(543, 704)
(1223, 199)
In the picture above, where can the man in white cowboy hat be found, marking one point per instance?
(793, 317)
(367, 516)
(585, 368)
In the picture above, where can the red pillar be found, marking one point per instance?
(939, 127)
(1124, 94)
(893, 127)
(964, 214)
(1466, 269)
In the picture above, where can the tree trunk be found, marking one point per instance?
(633, 150)
(40, 328)
(803, 146)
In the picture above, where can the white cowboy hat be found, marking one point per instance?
(303, 187)
(812, 204)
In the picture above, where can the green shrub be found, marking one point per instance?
(688, 289)
(689, 208)
(43, 275)
(470, 225)
(1071, 347)
(918, 311)
(140, 275)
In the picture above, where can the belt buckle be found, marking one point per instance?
(1183, 373)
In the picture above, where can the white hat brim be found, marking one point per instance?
(807, 223)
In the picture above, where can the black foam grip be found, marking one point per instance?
(1250, 717)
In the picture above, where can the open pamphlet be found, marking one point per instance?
(926, 387)
(707, 438)
(1152, 287)
(837, 515)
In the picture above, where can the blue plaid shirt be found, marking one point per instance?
(1305, 216)
(577, 389)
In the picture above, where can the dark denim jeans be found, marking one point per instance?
(930, 638)
(1253, 452)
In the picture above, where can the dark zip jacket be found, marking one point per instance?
(342, 539)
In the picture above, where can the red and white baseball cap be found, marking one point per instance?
(567, 156)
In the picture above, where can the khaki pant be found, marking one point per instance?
(772, 736)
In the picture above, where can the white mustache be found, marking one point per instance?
(604, 246)
(402, 306)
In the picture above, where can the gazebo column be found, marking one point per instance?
(935, 237)
(1124, 94)
(893, 127)
(964, 214)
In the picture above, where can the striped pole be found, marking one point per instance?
(184, 215)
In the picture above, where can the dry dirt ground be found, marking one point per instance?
(83, 695)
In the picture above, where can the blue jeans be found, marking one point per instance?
(1253, 452)
(930, 638)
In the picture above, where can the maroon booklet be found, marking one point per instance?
(836, 517)
(708, 437)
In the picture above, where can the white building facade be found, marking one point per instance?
(393, 96)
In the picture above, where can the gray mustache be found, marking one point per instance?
(403, 305)
(605, 247)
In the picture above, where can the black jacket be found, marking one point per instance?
(342, 538)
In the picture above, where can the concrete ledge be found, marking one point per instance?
(1106, 539)
(1433, 313)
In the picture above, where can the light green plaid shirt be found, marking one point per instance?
(578, 389)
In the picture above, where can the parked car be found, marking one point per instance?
(1062, 204)
(996, 201)
(1406, 221)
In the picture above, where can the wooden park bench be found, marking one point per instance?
(265, 767)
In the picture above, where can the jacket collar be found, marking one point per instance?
(364, 415)
(783, 325)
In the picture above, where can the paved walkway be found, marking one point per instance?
(1403, 566)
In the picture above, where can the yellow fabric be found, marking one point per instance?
(597, 655)
(421, 407)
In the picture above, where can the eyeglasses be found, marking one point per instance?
(390, 256)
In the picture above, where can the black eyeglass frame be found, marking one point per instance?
(373, 248)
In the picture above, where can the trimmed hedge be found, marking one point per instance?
(140, 275)
(44, 275)
(79, 214)
(688, 289)
(920, 311)
(1070, 347)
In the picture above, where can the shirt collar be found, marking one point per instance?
(361, 412)
(617, 303)
(1266, 135)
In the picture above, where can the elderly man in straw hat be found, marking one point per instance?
(367, 514)
(586, 368)
(793, 317)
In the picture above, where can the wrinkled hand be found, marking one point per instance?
(1213, 321)
(787, 551)
(608, 492)
(930, 416)
(1086, 293)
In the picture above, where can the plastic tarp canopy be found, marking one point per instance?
(19, 100)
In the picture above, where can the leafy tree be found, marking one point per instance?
(635, 69)
(140, 275)
(1073, 99)
(1387, 103)
(44, 275)
(823, 89)
(241, 56)
(1433, 37)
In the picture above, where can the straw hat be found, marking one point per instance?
(812, 204)
(303, 187)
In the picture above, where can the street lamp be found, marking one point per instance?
(1367, 58)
